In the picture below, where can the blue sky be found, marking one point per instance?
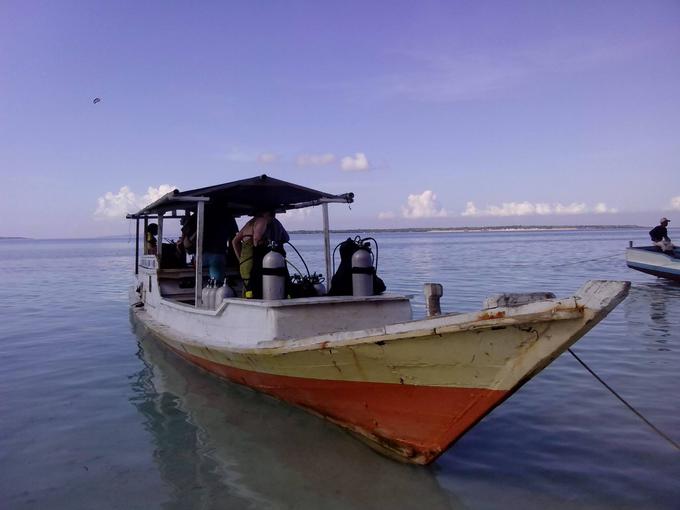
(433, 113)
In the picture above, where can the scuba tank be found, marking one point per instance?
(320, 289)
(273, 276)
(212, 294)
(362, 271)
(223, 293)
(204, 295)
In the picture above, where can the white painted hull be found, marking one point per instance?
(651, 261)
(411, 388)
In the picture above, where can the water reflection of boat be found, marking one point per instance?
(229, 447)
(650, 260)
(411, 388)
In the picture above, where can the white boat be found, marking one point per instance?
(410, 388)
(651, 260)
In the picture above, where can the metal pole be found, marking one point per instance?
(199, 254)
(159, 244)
(327, 244)
(137, 247)
(146, 226)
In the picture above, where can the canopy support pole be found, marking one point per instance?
(327, 243)
(137, 247)
(159, 243)
(198, 260)
(146, 226)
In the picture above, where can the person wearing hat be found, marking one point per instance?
(659, 235)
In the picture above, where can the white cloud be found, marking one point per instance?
(601, 208)
(357, 163)
(153, 194)
(267, 157)
(315, 159)
(470, 210)
(386, 215)
(295, 215)
(535, 209)
(573, 208)
(424, 205)
(675, 203)
(117, 205)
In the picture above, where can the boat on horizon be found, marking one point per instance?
(409, 388)
(651, 260)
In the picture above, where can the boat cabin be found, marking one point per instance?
(165, 265)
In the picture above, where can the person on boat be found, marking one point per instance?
(150, 243)
(219, 227)
(659, 235)
(187, 239)
(250, 245)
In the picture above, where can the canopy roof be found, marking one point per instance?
(246, 196)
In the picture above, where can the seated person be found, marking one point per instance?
(150, 243)
(659, 235)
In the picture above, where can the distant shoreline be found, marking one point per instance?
(502, 228)
(418, 230)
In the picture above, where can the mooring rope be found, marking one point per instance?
(635, 411)
(586, 260)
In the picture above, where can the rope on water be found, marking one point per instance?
(635, 411)
(587, 260)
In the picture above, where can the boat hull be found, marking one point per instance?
(651, 261)
(410, 423)
(411, 389)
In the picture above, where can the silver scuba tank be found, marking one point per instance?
(212, 292)
(223, 293)
(273, 276)
(320, 289)
(204, 295)
(362, 271)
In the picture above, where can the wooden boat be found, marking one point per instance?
(651, 260)
(410, 388)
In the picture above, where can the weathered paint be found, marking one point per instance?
(416, 423)
(410, 388)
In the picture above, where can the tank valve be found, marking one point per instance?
(433, 292)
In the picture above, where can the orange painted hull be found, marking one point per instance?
(413, 423)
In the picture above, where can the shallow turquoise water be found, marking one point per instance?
(94, 413)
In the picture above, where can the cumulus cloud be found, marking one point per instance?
(315, 159)
(601, 208)
(117, 205)
(424, 205)
(356, 163)
(675, 203)
(535, 209)
(386, 215)
(267, 157)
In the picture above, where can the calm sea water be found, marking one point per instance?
(93, 414)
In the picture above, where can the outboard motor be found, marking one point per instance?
(362, 271)
(274, 276)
